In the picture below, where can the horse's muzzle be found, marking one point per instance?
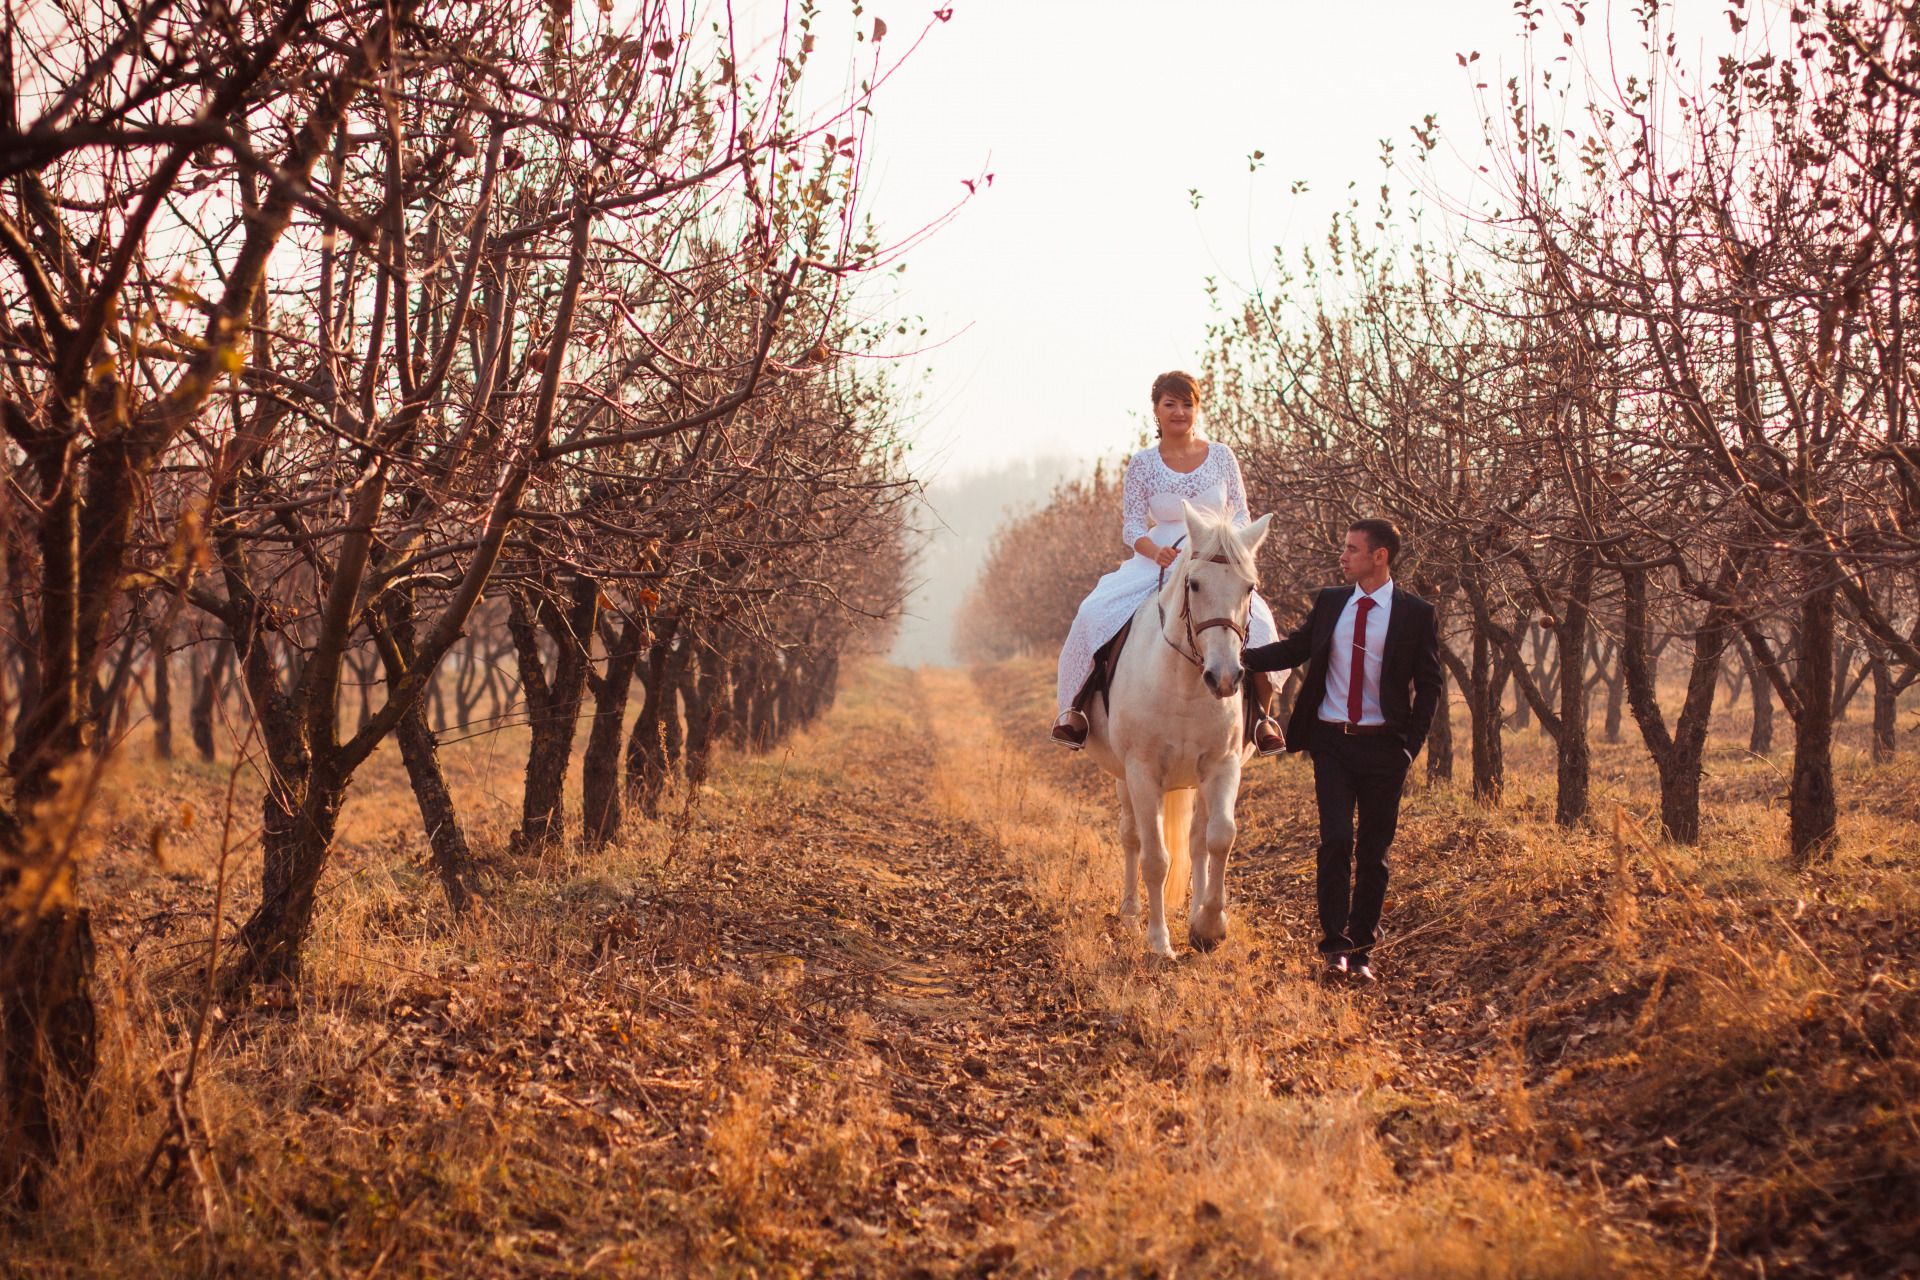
(1222, 686)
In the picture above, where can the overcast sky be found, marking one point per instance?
(1059, 293)
(1056, 295)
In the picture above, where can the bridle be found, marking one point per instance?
(1192, 652)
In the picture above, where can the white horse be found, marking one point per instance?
(1170, 727)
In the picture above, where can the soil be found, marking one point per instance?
(825, 1026)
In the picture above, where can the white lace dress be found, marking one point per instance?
(1151, 506)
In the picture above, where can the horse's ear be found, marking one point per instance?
(1254, 534)
(1196, 523)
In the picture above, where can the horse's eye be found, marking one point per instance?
(1193, 586)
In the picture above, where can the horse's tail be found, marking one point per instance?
(1176, 823)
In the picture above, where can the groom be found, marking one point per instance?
(1367, 699)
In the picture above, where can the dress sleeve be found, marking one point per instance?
(1236, 491)
(1133, 505)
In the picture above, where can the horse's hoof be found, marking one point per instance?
(1206, 930)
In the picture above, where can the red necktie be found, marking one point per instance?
(1358, 679)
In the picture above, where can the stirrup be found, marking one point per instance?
(1068, 734)
(1280, 744)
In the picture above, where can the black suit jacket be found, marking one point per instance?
(1410, 680)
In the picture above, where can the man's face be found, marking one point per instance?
(1358, 559)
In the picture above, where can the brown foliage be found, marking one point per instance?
(1039, 567)
(328, 326)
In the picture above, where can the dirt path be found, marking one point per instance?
(1062, 1104)
(923, 946)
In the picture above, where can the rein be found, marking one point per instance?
(1192, 652)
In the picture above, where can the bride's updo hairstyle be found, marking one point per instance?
(1179, 384)
(1175, 383)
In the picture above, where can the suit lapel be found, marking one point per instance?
(1334, 600)
(1326, 617)
(1397, 620)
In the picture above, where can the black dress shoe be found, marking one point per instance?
(1336, 967)
(1362, 972)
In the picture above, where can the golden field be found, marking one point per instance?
(864, 1009)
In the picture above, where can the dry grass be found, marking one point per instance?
(1242, 1114)
(870, 1014)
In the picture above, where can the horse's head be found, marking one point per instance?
(1214, 587)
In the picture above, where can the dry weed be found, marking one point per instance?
(868, 1012)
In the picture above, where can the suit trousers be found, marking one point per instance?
(1364, 773)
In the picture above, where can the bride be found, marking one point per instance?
(1182, 466)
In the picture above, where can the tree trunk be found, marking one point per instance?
(1760, 694)
(1676, 755)
(1485, 689)
(467, 683)
(200, 716)
(1842, 692)
(112, 699)
(46, 947)
(1440, 738)
(420, 753)
(1616, 686)
(1844, 698)
(799, 668)
(764, 728)
(1570, 749)
(161, 639)
(707, 718)
(1886, 707)
(452, 859)
(1522, 717)
(553, 704)
(362, 668)
(673, 729)
(827, 686)
(1574, 759)
(1812, 813)
(23, 636)
(46, 987)
(299, 813)
(746, 675)
(647, 748)
(600, 766)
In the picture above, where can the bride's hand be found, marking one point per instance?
(1165, 557)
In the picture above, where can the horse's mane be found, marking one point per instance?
(1215, 537)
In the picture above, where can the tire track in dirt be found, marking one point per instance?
(917, 940)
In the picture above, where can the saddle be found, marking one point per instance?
(1106, 659)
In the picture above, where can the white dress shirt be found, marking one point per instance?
(1340, 657)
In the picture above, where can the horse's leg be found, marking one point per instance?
(1129, 853)
(1147, 802)
(1200, 865)
(1207, 917)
